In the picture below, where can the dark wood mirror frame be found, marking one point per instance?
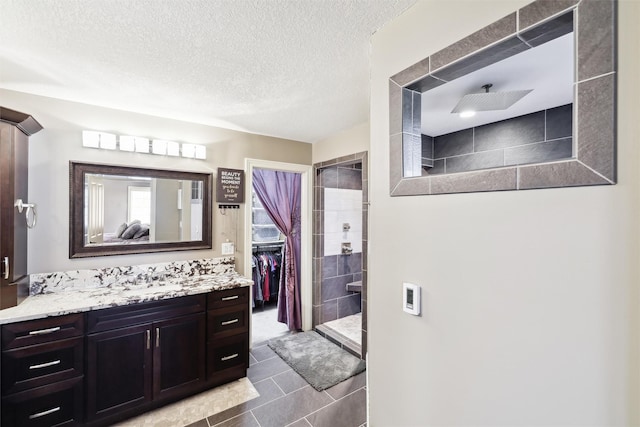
(77, 248)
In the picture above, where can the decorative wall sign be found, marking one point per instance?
(230, 186)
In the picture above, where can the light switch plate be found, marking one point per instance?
(228, 248)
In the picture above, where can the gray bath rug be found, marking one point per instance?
(319, 361)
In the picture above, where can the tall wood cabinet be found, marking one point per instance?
(15, 129)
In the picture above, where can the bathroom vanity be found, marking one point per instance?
(96, 356)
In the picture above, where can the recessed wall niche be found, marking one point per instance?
(560, 134)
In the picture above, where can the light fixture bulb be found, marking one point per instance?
(467, 114)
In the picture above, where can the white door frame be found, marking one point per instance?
(306, 224)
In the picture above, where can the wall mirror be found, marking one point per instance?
(117, 210)
(526, 102)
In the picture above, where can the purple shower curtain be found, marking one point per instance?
(279, 193)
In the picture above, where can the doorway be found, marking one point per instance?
(263, 321)
(340, 251)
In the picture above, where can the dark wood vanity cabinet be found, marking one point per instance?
(15, 129)
(157, 355)
(227, 335)
(107, 365)
(43, 371)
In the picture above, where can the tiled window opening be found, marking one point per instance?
(538, 137)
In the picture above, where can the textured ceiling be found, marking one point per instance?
(296, 69)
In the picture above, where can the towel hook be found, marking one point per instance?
(29, 207)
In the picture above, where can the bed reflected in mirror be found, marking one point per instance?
(116, 210)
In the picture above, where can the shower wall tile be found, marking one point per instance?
(349, 305)
(335, 287)
(476, 161)
(329, 266)
(407, 111)
(426, 83)
(509, 133)
(329, 311)
(550, 30)
(395, 159)
(453, 144)
(329, 177)
(559, 122)
(349, 178)
(498, 52)
(596, 129)
(413, 72)
(427, 146)
(596, 43)
(540, 10)
(395, 108)
(551, 175)
(438, 168)
(349, 264)
(469, 182)
(558, 149)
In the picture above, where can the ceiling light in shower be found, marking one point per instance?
(488, 101)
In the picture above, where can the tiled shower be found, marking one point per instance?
(340, 236)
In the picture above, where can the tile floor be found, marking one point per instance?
(287, 400)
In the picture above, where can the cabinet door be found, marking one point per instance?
(178, 355)
(14, 157)
(118, 370)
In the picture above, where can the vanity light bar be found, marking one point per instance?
(109, 141)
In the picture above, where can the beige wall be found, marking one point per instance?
(530, 299)
(350, 141)
(61, 142)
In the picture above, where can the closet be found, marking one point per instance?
(16, 214)
(266, 255)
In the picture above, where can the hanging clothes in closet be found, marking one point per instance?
(266, 275)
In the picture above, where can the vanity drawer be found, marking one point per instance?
(41, 364)
(137, 314)
(227, 321)
(58, 404)
(228, 297)
(32, 332)
(232, 352)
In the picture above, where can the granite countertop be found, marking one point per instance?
(118, 294)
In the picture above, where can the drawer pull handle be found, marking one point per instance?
(43, 413)
(148, 339)
(229, 322)
(230, 298)
(157, 337)
(45, 331)
(45, 365)
(233, 356)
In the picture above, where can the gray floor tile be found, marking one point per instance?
(268, 391)
(265, 369)
(290, 381)
(252, 359)
(347, 412)
(262, 353)
(300, 423)
(291, 407)
(201, 423)
(243, 420)
(348, 386)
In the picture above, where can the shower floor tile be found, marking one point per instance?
(350, 327)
